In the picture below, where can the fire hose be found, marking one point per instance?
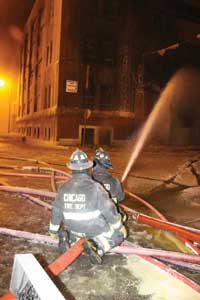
(186, 232)
(185, 241)
(52, 170)
(140, 218)
(62, 262)
(125, 248)
(32, 175)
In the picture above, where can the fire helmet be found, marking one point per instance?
(79, 161)
(103, 158)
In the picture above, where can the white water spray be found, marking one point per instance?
(175, 86)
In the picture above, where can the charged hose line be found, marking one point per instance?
(191, 261)
(187, 243)
(32, 175)
(53, 185)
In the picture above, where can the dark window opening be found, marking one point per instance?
(49, 133)
(51, 8)
(38, 133)
(34, 132)
(87, 136)
(108, 53)
(35, 105)
(111, 9)
(28, 107)
(89, 87)
(92, 7)
(106, 97)
(47, 55)
(29, 131)
(50, 52)
(49, 97)
(90, 50)
(45, 98)
(104, 137)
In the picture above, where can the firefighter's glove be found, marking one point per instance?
(53, 236)
(114, 199)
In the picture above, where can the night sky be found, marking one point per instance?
(13, 15)
(14, 12)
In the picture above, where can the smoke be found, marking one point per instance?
(179, 101)
(16, 33)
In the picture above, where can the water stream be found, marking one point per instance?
(172, 91)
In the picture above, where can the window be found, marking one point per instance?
(35, 105)
(110, 9)
(89, 87)
(104, 136)
(34, 132)
(25, 52)
(38, 133)
(108, 53)
(92, 7)
(47, 55)
(50, 52)
(28, 107)
(87, 136)
(49, 97)
(106, 97)
(45, 98)
(47, 133)
(31, 47)
(90, 50)
(51, 8)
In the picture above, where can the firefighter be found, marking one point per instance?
(102, 163)
(86, 210)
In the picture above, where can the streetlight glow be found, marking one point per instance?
(2, 83)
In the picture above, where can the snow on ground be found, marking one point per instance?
(115, 279)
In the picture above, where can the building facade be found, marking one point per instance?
(76, 73)
(92, 70)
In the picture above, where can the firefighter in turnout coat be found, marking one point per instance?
(86, 210)
(112, 185)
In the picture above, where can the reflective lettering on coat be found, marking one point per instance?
(107, 186)
(74, 198)
(74, 201)
(74, 206)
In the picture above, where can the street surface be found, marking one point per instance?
(114, 279)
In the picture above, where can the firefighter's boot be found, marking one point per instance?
(63, 244)
(94, 252)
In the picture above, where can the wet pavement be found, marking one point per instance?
(115, 278)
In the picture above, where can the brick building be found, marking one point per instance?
(86, 75)
(76, 73)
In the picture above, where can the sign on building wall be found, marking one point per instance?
(29, 281)
(72, 86)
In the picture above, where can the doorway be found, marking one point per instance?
(87, 136)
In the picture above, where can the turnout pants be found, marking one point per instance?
(105, 241)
